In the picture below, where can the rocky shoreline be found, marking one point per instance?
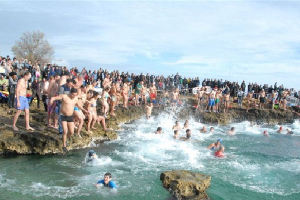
(235, 115)
(46, 140)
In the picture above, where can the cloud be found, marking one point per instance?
(215, 38)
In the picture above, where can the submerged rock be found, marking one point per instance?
(185, 184)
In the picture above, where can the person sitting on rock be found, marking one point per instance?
(231, 131)
(203, 130)
(188, 135)
(158, 130)
(107, 182)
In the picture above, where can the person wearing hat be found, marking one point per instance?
(216, 145)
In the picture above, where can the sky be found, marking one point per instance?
(255, 41)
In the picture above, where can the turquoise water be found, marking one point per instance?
(255, 166)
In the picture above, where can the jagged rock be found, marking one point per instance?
(47, 140)
(185, 184)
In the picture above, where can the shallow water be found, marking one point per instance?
(255, 166)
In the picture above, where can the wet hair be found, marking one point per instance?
(232, 128)
(95, 93)
(73, 90)
(107, 174)
(188, 134)
(175, 132)
(158, 129)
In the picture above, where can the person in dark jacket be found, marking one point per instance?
(36, 92)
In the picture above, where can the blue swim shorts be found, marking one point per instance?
(23, 103)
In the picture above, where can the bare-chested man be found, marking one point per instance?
(175, 97)
(113, 100)
(52, 92)
(211, 101)
(125, 90)
(262, 99)
(106, 82)
(22, 101)
(226, 101)
(249, 99)
(78, 114)
(69, 101)
(200, 98)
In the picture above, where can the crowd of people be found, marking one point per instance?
(71, 96)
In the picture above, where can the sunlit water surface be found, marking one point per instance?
(255, 166)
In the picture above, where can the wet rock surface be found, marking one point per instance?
(235, 114)
(184, 184)
(46, 140)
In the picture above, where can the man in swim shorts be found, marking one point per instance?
(107, 182)
(69, 101)
(22, 101)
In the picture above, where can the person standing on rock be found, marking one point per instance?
(22, 101)
(67, 111)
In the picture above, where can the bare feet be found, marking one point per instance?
(15, 128)
(30, 129)
(108, 129)
(94, 128)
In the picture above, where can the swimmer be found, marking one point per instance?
(203, 130)
(158, 130)
(289, 132)
(265, 133)
(220, 153)
(280, 129)
(107, 182)
(92, 155)
(188, 135)
(216, 145)
(175, 134)
(231, 131)
(211, 130)
(186, 124)
(176, 126)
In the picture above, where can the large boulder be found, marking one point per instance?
(185, 184)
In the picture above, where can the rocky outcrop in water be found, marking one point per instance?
(46, 140)
(185, 185)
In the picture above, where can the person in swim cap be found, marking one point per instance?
(216, 145)
(265, 133)
(107, 182)
(280, 129)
